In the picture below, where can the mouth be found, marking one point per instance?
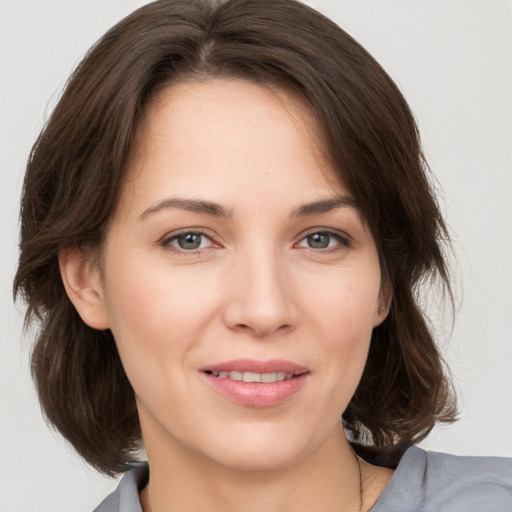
(246, 376)
(257, 383)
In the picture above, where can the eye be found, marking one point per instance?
(188, 241)
(323, 240)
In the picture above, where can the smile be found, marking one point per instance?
(253, 376)
(257, 383)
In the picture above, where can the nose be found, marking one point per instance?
(262, 300)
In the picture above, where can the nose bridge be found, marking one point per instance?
(261, 300)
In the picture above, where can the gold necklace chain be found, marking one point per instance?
(361, 491)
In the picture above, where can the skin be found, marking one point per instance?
(254, 288)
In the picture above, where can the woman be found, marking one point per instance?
(223, 226)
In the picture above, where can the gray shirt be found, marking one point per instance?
(423, 482)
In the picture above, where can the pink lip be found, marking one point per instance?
(251, 365)
(257, 394)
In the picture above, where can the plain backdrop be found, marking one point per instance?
(453, 61)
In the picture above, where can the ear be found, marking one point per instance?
(83, 286)
(383, 304)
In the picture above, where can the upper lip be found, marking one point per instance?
(252, 365)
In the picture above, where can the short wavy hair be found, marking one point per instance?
(77, 166)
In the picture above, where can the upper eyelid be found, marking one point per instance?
(330, 231)
(344, 241)
(186, 231)
(174, 234)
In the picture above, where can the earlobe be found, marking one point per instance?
(83, 286)
(383, 306)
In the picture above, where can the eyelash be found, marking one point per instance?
(343, 241)
(167, 241)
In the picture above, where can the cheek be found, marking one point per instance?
(154, 311)
(344, 316)
(348, 303)
(158, 319)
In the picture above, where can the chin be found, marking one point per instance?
(256, 452)
(258, 462)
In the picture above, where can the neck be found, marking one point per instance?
(327, 479)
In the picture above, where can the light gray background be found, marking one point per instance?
(451, 58)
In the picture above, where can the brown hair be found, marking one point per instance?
(76, 169)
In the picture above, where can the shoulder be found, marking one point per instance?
(431, 481)
(126, 497)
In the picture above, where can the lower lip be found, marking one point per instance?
(256, 394)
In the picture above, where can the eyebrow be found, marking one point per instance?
(191, 205)
(210, 208)
(324, 206)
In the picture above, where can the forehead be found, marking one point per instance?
(230, 136)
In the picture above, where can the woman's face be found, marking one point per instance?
(235, 256)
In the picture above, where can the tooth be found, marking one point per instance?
(251, 377)
(268, 377)
(216, 374)
(254, 376)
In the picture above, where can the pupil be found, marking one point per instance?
(318, 241)
(189, 241)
